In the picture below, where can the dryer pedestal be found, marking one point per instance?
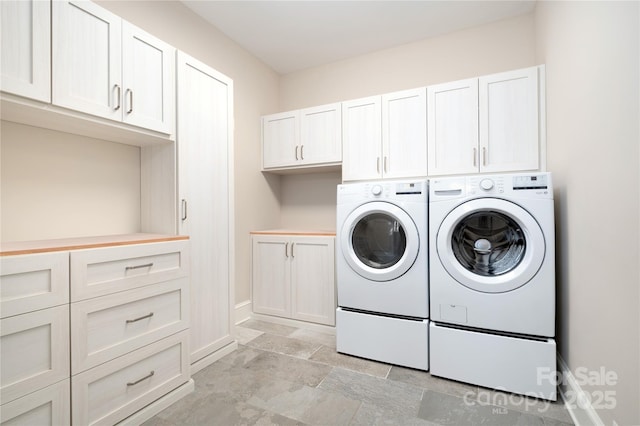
(392, 340)
(513, 364)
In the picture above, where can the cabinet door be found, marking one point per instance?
(313, 279)
(509, 121)
(148, 80)
(25, 54)
(404, 134)
(48, 406)
(361, 139)
(204, 150)
(280, 139)
(35, 351)
(86, 45)
(271, 275)
(321, 134)
(452, 110)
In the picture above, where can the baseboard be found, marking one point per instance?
(160, 404)
(243, 311)
(210, 359)
(327, 329)
(576, 400)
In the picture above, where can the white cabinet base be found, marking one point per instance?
(386, 339)
(513, 364)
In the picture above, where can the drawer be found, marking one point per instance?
(33, 281)
(102, 271)
(48, 406)
(110, 392)
(35, 351)
(110, 326)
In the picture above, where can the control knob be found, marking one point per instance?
(376, 190)
(486, 184)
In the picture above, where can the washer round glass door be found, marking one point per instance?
(379, 241)
(491, 245)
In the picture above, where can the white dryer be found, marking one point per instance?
(382, 271)
(492, 281)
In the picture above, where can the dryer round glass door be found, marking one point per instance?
(379, 241)
(491, 245)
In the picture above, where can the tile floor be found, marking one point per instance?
(282, 375)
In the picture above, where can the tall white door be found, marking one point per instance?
(204, 143)
(404, 134)
(25, 51)
(86, 60)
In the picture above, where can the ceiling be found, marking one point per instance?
(293, 35)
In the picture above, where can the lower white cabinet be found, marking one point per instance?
(109, 393)
(110, 326)
(293, 276)
(48, 406)
(35, 351)
(118, 344)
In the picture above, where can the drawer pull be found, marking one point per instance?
(146, 265)
(151, 373)
(149, 315)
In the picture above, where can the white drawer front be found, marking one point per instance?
(35, 351)
(33, 281)
(110, 326)
(112, 391)
(102, 271)
(48, 406)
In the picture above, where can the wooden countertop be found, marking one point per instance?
(64, 244)
(324, 233)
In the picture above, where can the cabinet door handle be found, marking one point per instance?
(475, 157)
(301, 153)
(385, 164)
(146, 265)
(151, 373)
(184, 210)
(119, 91)
(286, 250)
(484, 156)
(292, 244)
(296, 152)
(149, 315)
(130, 93)
(377, 164)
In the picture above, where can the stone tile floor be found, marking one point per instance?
(283, 375)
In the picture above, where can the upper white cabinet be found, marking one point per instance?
(106, 67)
(302, 138)
(25, 54)
(509, 121)
(385, 136)
(453, 127)
(486, 124)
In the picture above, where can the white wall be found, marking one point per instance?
(591, 50)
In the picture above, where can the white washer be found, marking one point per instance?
(492, 281)
(382, 271)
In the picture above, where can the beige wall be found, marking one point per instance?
(504, 45)
(591, 50)
(57, 185)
